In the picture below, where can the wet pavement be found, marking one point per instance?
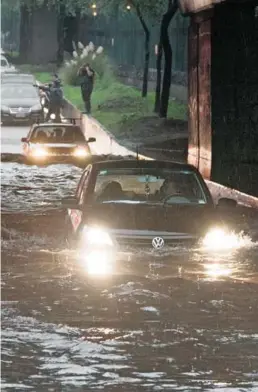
(183, 321)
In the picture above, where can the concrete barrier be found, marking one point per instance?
(106, 144)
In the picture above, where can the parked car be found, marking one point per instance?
(52, 142)
(20, 103)
(121, 206)
(5, 66)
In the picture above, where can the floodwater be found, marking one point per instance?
(183, 321)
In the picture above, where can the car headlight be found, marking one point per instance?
(80, 152)
(96, 236)
(52, 116)
(220, 239)
(36, 108)
(5, 109)
(39, 152)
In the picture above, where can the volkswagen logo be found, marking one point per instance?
(158, 242)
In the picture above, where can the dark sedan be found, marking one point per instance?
(49, 143)
(20, 103)
(127, 204)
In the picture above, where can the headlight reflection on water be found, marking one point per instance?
(217, 270)
(96, 251)
(97, 262)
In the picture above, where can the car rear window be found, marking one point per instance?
(57, 134)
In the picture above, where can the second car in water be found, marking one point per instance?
(49, 143)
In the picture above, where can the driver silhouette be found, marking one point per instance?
(113, 191)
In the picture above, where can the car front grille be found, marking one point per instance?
(140, 240)
(61, 150)
(20, 110)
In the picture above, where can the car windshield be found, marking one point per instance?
(18, 91)
(57, 134)
(164, 186)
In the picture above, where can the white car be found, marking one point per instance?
(5, 66)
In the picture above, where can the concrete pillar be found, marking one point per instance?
(234, 88)
(199, 92)
(223, 94)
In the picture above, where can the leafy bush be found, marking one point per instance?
(97, 60)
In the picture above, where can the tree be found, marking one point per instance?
(147, 12)
(146, 49)
(167, 50)
(62, 9)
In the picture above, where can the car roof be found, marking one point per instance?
(22, 75)
(18, 84)
(142, 163)
(18, 77)
(48, 125)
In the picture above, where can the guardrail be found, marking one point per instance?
(106, 144)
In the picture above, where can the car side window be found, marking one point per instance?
(84, 189)
(80, 185)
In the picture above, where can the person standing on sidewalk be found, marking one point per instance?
(87, 75)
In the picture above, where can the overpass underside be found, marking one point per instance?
(223, 94)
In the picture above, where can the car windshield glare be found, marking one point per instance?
(57, 134)
(155, 186)
(18, 92)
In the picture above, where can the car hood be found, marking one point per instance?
(181, 219)
(25, 102)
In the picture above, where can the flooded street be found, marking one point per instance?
(183, 321)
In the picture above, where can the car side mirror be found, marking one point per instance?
(24, 140)
(70, 202)
(91, 140)
(226, 202)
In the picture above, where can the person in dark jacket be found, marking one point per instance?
(87, 76)
(55, 94)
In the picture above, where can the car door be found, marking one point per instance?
(76, 215)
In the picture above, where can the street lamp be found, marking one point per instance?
(94, 7)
